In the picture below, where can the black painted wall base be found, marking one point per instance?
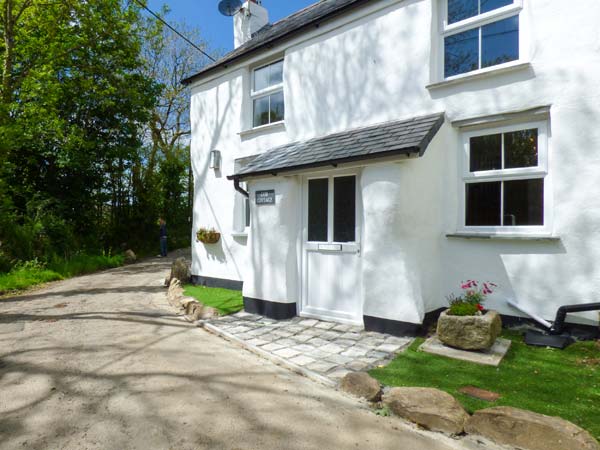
(399, 328)
(272, 310)
(234, 285)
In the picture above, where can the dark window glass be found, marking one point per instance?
(277, 107)
(500, 42)
(490, 5)
(461, 9)
(461, 53)
(483, 204)
(261, 111)
(485, 153)
(344, 209)
(521, 149)
(247, 205)
(524, 202)
(318, 195)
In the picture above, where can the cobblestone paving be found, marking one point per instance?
(327, 348)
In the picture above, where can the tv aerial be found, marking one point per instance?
(230, 7)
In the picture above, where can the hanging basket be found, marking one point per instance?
(208, 236)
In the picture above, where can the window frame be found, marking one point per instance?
(266, 92)
(522, 173)
(477, 22)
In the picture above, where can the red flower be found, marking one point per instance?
(479, 307)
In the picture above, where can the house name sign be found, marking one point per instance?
(265, 197)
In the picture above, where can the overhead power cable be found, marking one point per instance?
(160, 19)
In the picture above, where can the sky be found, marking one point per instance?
(216, 29)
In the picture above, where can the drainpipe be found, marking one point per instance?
(237, 187)
(561, 314)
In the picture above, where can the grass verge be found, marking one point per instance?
(224, 300)
(31, 273)
(563, 383)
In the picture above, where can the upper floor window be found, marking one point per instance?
(480, 34)
(267, 94)
(505, 178)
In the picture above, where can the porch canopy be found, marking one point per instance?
(403, 137)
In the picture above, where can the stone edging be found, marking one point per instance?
(190, 307)
(195, 312)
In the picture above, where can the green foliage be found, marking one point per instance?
(91, 124)
(208, 236)
(471, 301)
(459, 307)
(225, 301)
(30, 273)
(82, 264)
(531, 378)
(26, 274)
(384, 411)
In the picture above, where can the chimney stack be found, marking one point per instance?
(251, 18)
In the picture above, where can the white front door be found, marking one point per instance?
(331, 284)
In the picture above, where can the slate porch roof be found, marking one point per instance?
(285, 28)
(402, 137)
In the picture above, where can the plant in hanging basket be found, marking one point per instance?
(208, 236)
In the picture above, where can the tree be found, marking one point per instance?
(73, 104)
(165, 165)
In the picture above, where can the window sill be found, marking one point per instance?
(504, 236)
(239, 234)
(263, 128)
(481, 74)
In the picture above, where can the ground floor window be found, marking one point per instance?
(505, 177)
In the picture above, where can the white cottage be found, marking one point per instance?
(361, 158)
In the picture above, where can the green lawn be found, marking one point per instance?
(22, 278)
(563, 383)
(224, 300)
(31, 273)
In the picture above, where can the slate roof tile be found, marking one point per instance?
(284, 28)
(398, 137)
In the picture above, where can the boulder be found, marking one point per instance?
(203, 312)
(431, 408)
(180, 270)
(532, 431)
(130, 257)
(360, 384)
(175, 293)
(469, 332)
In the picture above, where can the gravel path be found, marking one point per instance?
(102, 362)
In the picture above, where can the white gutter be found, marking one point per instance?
(534, 316)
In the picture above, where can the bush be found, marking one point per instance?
(30, 273)
(26, 274)
(82, 263)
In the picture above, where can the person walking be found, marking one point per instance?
(163, 237)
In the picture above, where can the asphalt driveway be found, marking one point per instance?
(102, 362)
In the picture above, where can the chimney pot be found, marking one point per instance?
(248, 20)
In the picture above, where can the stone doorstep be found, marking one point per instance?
(491, 357)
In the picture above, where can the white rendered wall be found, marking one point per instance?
(377, 68)
(273, 274)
